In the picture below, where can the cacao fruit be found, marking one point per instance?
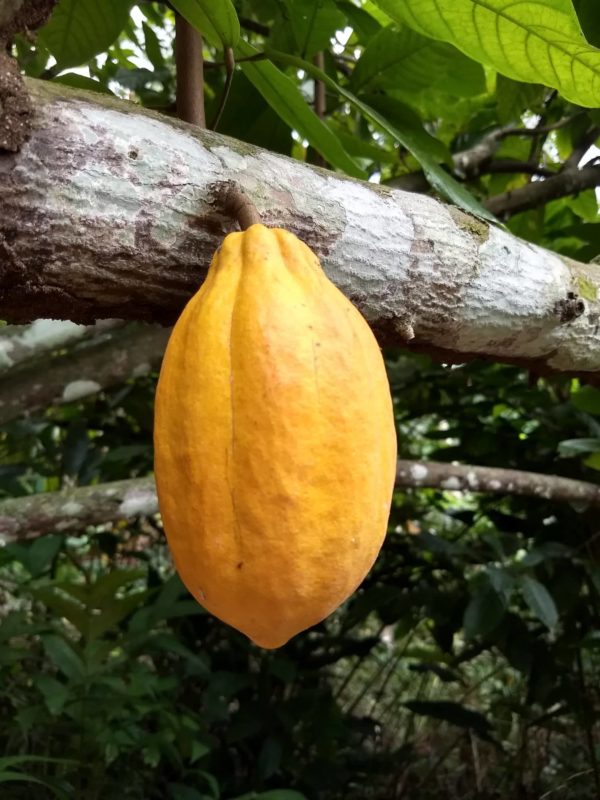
(275, 448)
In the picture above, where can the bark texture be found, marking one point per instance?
(73, 510)
(111, 211)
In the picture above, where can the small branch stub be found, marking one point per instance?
(237, 205)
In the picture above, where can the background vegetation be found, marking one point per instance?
(466, 666)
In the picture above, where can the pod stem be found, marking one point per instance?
(239, 206)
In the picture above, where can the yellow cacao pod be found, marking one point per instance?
(275, 448)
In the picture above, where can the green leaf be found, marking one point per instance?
(63, 607)
(63, 655)
(529, 40)
(575, 447)
(364, 25)
(152, 47)
(539, 600)
(285, 98)
(81, 82)
(80, 29)
(512, 97)
(114, 613)
(359, 148)
(585, 205)
(455, 713)
(587, 399)
(402, 59)
(218, 22)
(177, 791)
(306, 26)
(545, 551)
(484, 612)
(439, 179)
(55, 693)
(107, 585)
(14, 777)
(38, 555)
(280, 794)
(587, 12)
(593, 461)
(269, 757)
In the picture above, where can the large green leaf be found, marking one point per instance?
(218, 22)
(538, 41)
(539, 600)
(306, 26)
(363, 24)
(484, 612)
(444, 183)
(400, 57)
(455, 714)
(79, 29)
(285, 98)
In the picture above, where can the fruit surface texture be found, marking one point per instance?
(275, 448)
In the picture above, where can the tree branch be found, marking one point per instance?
(127, 229)
(20, 344)
(85, 369)
(75, 509)
(533, 195)
(465, 478)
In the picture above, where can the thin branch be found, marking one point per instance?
(74, 509)
(221, 64)
(230, 67)
(514, 166)
(320, 108)
(190, 73)
(320, 97)
(536, 194)
(464, 478)
(583, 145)
(539, 130)
(254, 27)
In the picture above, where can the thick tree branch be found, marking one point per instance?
(83, 370)
(112, 211)
(16, 110)
(533, 195)
(75, 509)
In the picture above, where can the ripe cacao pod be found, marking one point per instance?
(275, 448)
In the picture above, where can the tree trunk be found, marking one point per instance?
(113, 211)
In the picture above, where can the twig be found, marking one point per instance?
(221, 64)
(230, 67)
(320, 96)
(254, 27)
(237, 205)
(514, 166)
(190, 73)
(320, 108)
(583, 145)
(539, 130)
